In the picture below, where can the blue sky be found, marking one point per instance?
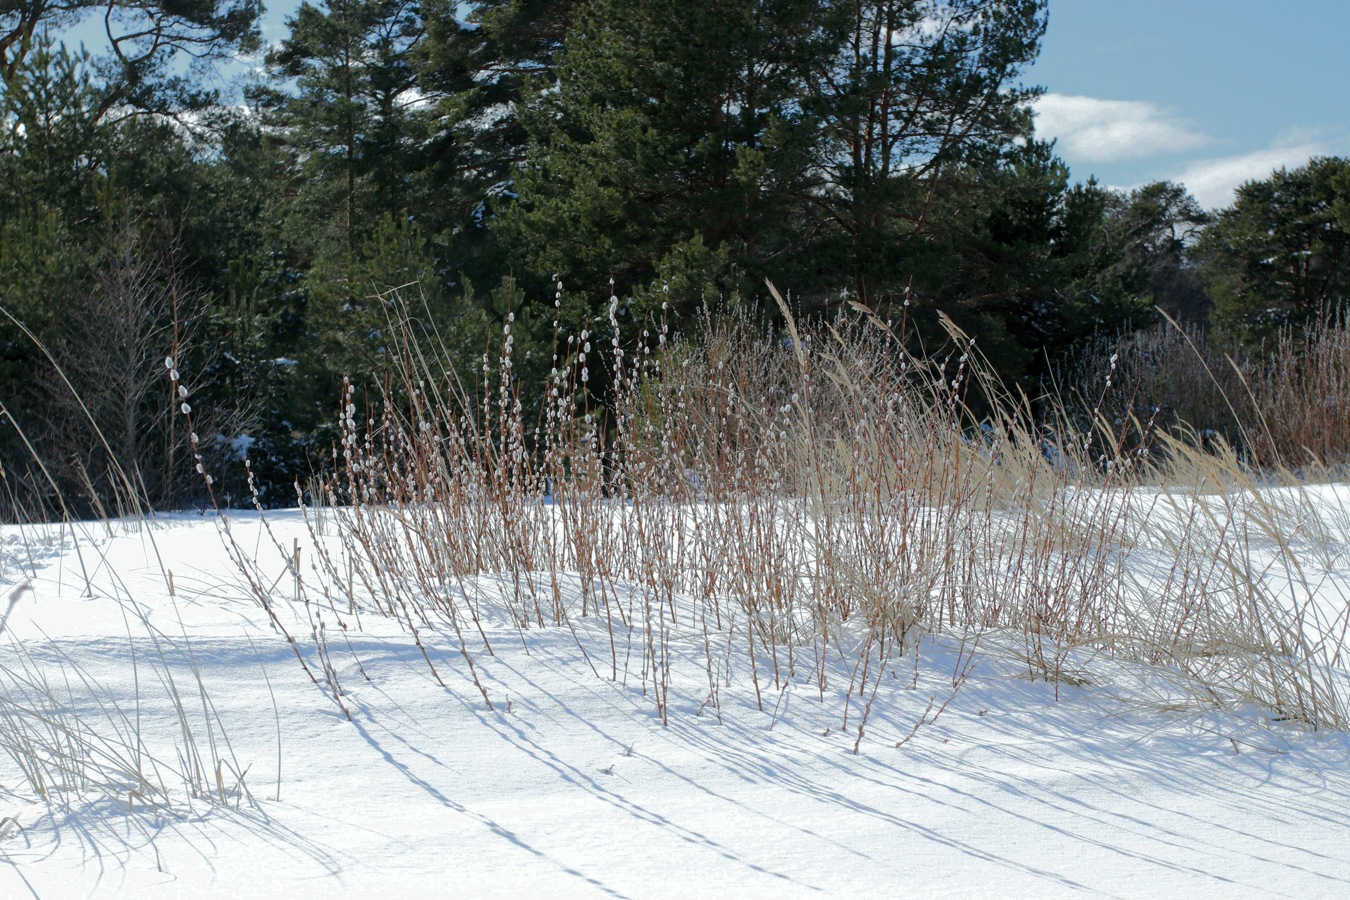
(1207, 92)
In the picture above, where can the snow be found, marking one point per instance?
(239, 444)
(1126, 784)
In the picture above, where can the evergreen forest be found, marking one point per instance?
(468, 179)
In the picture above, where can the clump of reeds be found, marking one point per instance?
(788, 501)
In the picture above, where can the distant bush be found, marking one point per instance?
(1285, 403)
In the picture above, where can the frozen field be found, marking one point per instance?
(1120, 781)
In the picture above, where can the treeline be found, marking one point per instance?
(437, 168)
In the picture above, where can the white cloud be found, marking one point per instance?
(1089, 130)
(1213, 181)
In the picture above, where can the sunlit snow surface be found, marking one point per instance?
(1126, 785)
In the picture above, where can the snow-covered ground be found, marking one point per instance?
(1126, 784)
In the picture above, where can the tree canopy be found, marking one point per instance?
(158, 51)
(1281, 252)
(439, 166)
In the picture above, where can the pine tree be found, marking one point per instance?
(351, 120)
(807, 141)
(146, 41)
(1281, 252)
(676, 146)
(1156, 227)
(353, 129)
(481, 61)
(916, 89)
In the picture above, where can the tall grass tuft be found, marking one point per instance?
(162, 745)
(71, 736)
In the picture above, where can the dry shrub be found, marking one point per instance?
(1179, 375)
(1302, 394)
(1284, 404)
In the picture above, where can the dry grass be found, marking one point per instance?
(71, 737)
(1303, 394)
(784, 501)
